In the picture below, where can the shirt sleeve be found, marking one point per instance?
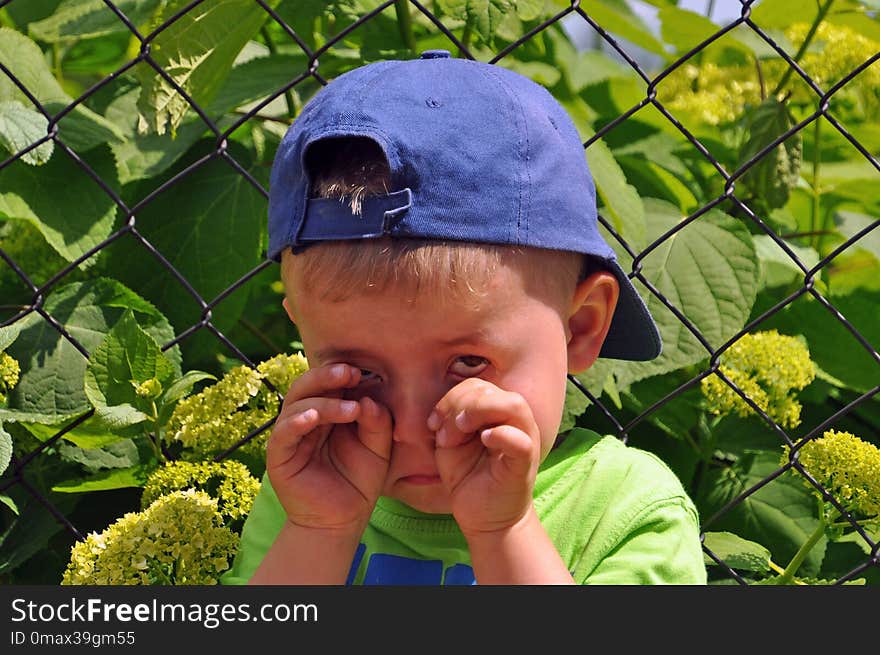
(262, 526)
(661, 545)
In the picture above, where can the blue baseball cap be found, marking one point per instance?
(476, 153)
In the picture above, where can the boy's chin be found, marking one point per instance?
(429, 501)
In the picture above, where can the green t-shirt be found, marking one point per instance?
(616, 514)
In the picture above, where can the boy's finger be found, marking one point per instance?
(302, 417)
(477, 411)
(322, 380)
(374, 427)
(516, 447)
(450, 404)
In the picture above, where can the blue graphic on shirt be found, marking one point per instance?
(385, 569)
(459, 574)
(358, 556)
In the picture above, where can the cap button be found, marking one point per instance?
(435, 54)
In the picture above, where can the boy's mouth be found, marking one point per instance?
(419, 479)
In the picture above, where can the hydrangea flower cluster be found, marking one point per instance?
(229, 482)
(847, 467)
(767, 367)
(719, 95)
(9, 372)
(842, 50)
(221, 415)
(179, 539)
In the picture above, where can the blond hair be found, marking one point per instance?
(354, 168)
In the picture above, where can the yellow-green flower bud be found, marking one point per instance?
(767, 367)
(229, 482)
(151, 388)
(9, 374)
(179, 539)
(224, 413)
(847, 467)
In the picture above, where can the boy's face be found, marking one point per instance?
(413, 352)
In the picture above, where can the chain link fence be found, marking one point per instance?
(303, 80)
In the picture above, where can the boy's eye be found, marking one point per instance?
(368, 376)
(469, 365)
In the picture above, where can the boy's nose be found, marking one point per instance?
(410, 419)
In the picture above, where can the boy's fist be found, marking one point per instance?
(488, 448)
(327, 457)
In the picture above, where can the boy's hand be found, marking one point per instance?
(488, 449)
(327, 457)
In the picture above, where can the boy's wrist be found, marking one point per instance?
(339, 535)
(308, 555)
(527, 522)
(521, 553)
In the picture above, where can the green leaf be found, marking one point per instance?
(832, 346)
(685, 29)
(8, 334)
(118, 368)
(24, 13)
(91, 433)
(122, 454)
(676, 417)
(622, 21)
(71, 233)
(83, 19)
(850, 223)
(575, 404)
(777, 267)
(31, 530)
(178, 390)
(528, 9)
(197, 52)
(10, 503)
(619, 202)
(256, 79)
(82, 128)
(736, 552)
(5, 449)
(20, 127)
(781, 515)
(147, 155)
(780, 13)
(773, 176)
(584, 69)
(486, 16)
(218, 243)
(134, 476)
(708, 270)
(182, 387)
(52, 369)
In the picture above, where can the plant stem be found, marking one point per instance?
(823, 11)
(799, 557)
(156, 441)
(465, 37)
(404, 24)
(816, 208)
(288, 96)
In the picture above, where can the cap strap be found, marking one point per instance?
(328, 219)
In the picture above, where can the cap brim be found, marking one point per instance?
(633, 334)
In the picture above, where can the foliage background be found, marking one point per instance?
(737, 179)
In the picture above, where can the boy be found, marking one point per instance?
(436, 226)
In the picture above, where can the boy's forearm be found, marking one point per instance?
(520, 555)
(307, 556)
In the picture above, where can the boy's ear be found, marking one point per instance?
(589, 320)
(289, 311)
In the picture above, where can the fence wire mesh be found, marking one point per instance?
(304, 75)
